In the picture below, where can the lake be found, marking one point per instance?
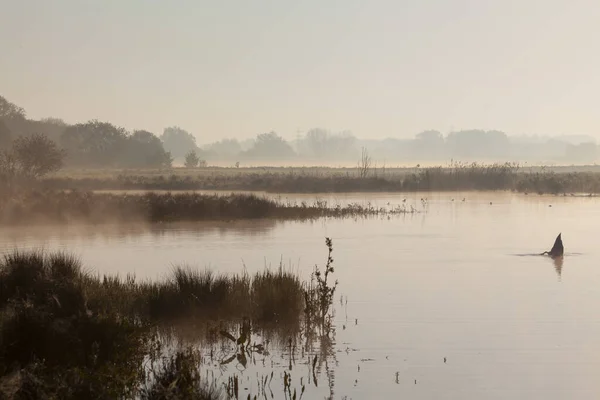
(444, 303)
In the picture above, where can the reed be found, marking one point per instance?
(68, 207)
(455, 176)
(65, 333)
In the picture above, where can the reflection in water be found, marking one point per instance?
(558, 264)
(250, 360)
(119, 232)
(424, 287)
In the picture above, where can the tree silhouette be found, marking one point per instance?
(94, 143)
(10, 111)
(191, 159)
(144, 149)
(178, 141)
(36, 155)
(270, 146)
(5, 136)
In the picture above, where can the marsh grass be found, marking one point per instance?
(52, 207)
(65, 333)
(277, 296)
(450, 177)
(51, 343)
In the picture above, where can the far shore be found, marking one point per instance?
(456, 177)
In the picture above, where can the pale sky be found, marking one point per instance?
(238, 68)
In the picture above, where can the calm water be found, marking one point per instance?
(448, 282)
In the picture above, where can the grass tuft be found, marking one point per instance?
(65, 333)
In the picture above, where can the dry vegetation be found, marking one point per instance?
(364, 178)
(67, 334)
(59, 207)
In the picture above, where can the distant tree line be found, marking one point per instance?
(102, 144)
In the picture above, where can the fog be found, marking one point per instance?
(378, 69)
(144, 85)
(102, 144)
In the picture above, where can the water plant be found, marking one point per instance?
(318, 296)
(65, 333)
(62, 207)
(177, 376)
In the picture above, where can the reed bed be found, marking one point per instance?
(454, 176)
(66, 333)
(61, 207)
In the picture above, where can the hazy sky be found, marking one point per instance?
(238, 68)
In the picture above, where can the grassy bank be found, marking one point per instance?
(456, 176)
(67, 334)
(50, 207)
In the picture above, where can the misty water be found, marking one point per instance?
(444, 303)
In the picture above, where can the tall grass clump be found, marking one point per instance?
(65, 333)
(52, 345)
(277, 296)
(268, 296)
(201, 293)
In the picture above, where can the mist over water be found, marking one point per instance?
(444, 295)
(445, 282)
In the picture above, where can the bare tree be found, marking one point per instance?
(364, 165)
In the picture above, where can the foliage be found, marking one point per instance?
(225, 148)
(101, 144)
(144, 149)
(319, 296)
(36, 155)
(321, 144)
(29, 158)
(57, 345)
(68, 334)
(94, 143)
(469, 143)
(9, 110)
(178, 141)
(191, 159)
(5, 136)
(269, 146)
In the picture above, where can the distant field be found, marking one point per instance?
(458, 176)
(82, 173)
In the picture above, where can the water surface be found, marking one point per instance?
(447, 282)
